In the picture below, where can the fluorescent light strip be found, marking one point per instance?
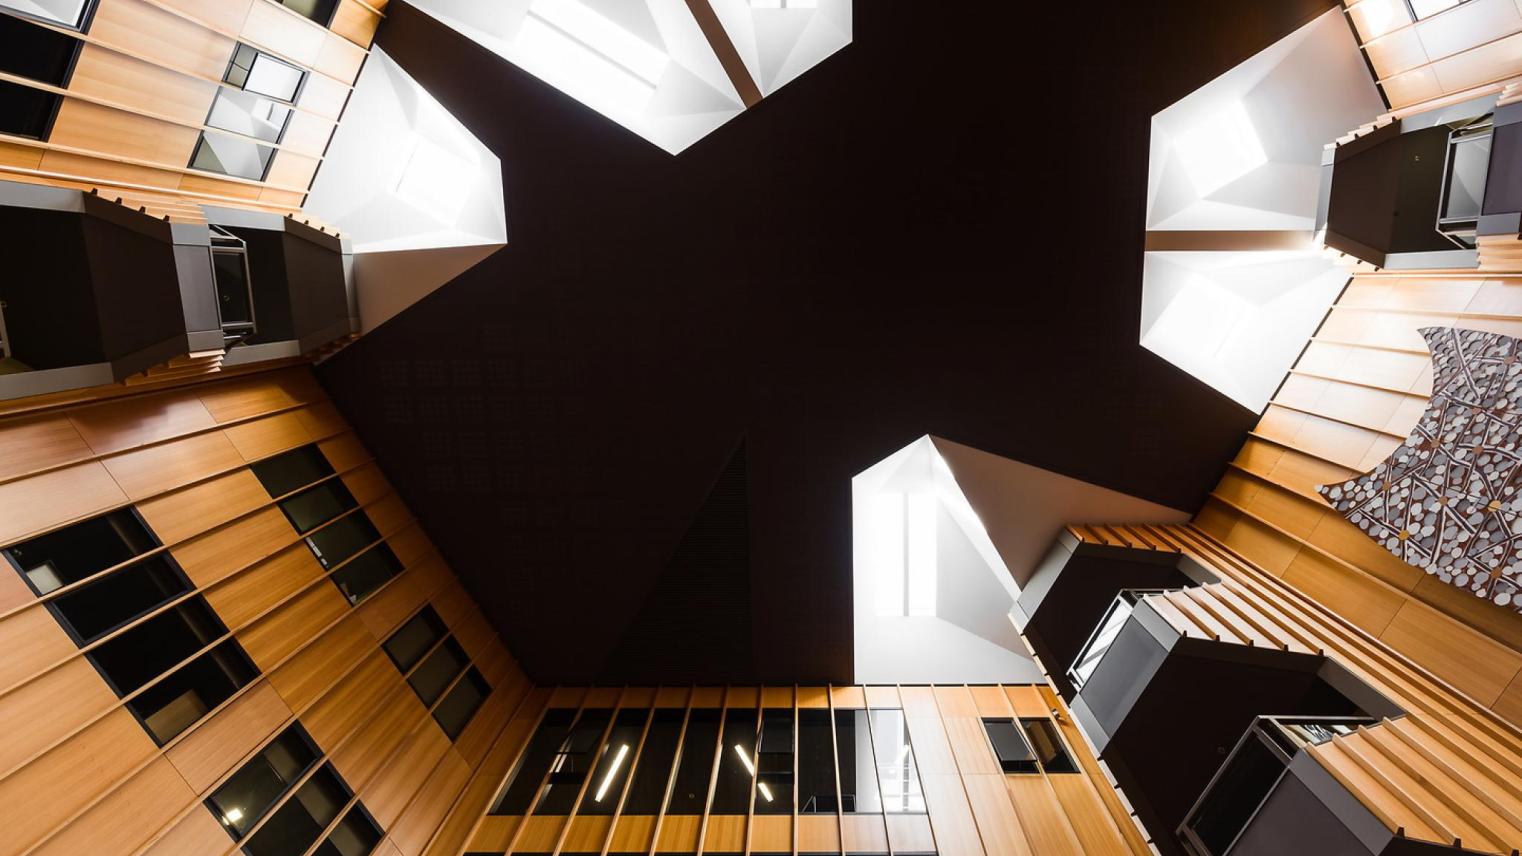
(618, 761)
(765, 791)
(745, 759)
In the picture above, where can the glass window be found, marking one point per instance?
(101, 606)
(573, 761)
(1014, 754)
(816, 763)
(230, 273)
(1427, 8)
(617, 757)
(232, 156)
(263, 74)
(317, 505)
(141, 654)
(181, 699)
(437, 670)
(356, 835)
(342, 538)
(36, 53)
(523, 784)
(293, 470)
(298, 823)
(462, 701)
(415, 638)
(774, 763)
(26, 112)
(320, 11)
(249, 114)
(65, 13)
(690, 793)
(1049, 746)
(737, 763)
(896, 771)
(72, 553)
(858, 772)
(367, 572)
(248, 794)
(653, 770)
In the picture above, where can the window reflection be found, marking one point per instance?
(896, 769)
(858, 772)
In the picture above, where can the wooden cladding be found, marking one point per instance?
(971, 806)
(1350, 400)
(143, 86)
(1463, 51)
(78, 773)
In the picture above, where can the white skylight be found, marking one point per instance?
(436, 180)
(1220, 149)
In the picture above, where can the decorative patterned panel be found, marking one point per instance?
(1447, 499)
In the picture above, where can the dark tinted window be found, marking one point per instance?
(342, 538)
(26, 112)
(72, 553)
(690, 793)
(1241, 787)
(858, 771)
(1049, 746)
(816, 763)
(437, 670)
(774, 763)
(415, 638)
(654, 768)
(27, 50)
(462, 701)
(356, 835)
(315, 506)
(573, 762)
(523, 785)
(320, 11)
(1014, 755)
(248, 794)
(291, 470)
(367, 572)
(298, 823)
(731, 793)
(148, 650)
(103, 605)
(613, 765)
(190, 692)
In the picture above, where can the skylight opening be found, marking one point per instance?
(1221, 149)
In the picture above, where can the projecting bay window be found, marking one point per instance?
(438, 670)
(338, 532)
(154, 640)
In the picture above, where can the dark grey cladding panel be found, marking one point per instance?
(1293, 820)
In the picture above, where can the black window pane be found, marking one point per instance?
(24, 111)
(148, 650)
(180, 700)
(461, 703)
(367, 572)
(108, 603)
(258, 784)
(342, 538)
(731, 793)
(355, 835)
(27, 50)
(74, 552)
(858, 771)
(1015, 756)
(296, 825)
(291, 470)
(774, 763)
(437, 670)
(1049, 746)
(653, 770)
(415, 638)
(690, 793)
(1242, 785)
(523, 785)
(315, 506)
(816, 762)
(573, 762)
(616, 758)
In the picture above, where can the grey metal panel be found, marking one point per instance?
(1350, 814)
(1432, 261)
(25, 384)
(1123, 674)
(1293, 820)
(246, 354)
(19, 194)
(198, 290)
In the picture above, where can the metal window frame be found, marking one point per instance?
(1129, 597)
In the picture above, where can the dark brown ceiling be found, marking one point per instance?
(938, 230)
